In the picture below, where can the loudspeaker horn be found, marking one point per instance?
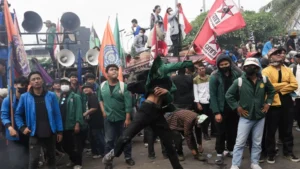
(70, 21)
(66, 58)
(32, 22)
(92, 57)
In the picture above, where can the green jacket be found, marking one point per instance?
(74, 112)
(216, 91)
(252, 96)
(116, 104)
(160, 70)
(50, 37)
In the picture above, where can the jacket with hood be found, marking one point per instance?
(216, 86)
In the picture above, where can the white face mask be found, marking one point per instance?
(65, 88)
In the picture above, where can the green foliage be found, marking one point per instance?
(262, 24)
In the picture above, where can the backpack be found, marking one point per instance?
(295, 70)
(122, 86)
(240, 81)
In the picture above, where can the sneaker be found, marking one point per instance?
(70, 164)
(77, 167)
(108, 166)
(200, 157)
(261, 159)
(229, 154)
(298, 129)
(234, 167)
(151, 157)
(219, 160)
(130, 162)
(97, 156)
(181, 157)
(293, 158)
(271, 160)
(108, 158)
(255, 166)
(146, 145)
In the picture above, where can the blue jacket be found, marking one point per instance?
(26, 108)
(5, 116)
(267, 48)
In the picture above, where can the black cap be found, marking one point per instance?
(88, 85)
(90, 76)
(72, 74)
(56, 81)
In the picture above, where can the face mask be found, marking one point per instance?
(65, 88)
(275, 63)
(141, 34)
(22, 90)
(224, 69)
(250, 71)
(239, 65)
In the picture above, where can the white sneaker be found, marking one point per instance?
(97, 156)
(70, 164)
(77, 167)
(108, 158)
(234, 167)
(298, 129)
(255, 166)
(146, 145)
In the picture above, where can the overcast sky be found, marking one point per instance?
(96, 12)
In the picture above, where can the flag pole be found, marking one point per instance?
(191, 45)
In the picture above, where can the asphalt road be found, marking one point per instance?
(142, 162)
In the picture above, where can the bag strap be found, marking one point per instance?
(295, 70)
(102, 84)
(264, 79)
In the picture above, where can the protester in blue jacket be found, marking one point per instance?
(18, 143)
(267, 47)
(38, 115)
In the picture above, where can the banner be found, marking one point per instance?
(224, 17)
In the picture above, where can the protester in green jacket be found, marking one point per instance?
(256, 94)
(226, 118)
(71, 110)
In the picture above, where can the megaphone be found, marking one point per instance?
(70, 21)
(66, 58)
(92, 57)
(32, 22)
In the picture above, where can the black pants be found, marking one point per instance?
(150, 138)
(227, 131)
(283, 117)
(176, 40)
(73, 146)
(18, 153)
(35, 146)
(51, 52)
(297, 111)
(151, 115)
(211, 119)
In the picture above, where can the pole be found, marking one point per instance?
(239, 3)
(204, 6)
(191, 45)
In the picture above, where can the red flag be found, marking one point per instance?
(108, 53)
(205, 43)
(224, 16)
(157, 47)
(185, 26)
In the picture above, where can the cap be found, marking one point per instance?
(88, 85)
(47, 22)
(64, 79)
(251, 61)
(272, 51)
(201, 118)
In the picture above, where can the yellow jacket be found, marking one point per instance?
(288, 82)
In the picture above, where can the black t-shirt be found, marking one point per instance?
(111, 88)
(291, 43)
(63, 106)
(43, 129)
(96, 118)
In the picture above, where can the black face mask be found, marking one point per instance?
(22, 90)
(224, 69)
(250, 71)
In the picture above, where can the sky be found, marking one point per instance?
(97, 12)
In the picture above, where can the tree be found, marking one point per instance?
(262, 24)
(286, 11)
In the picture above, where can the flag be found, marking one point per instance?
(118, 41)
(206, 42)
(157, 47)
(38, 67)
(224, 16)
(94, 39)
(185, 26)
(57, 39)
(79, 69)
(109, 53)
(15, 43)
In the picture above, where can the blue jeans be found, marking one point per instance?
(113, 130)
(97, 141)
(244, 128)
